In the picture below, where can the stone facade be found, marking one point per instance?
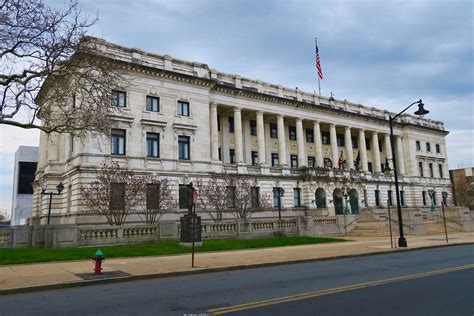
(276, 135)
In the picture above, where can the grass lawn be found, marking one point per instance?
(31, 255)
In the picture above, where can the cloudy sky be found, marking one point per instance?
(385, 54)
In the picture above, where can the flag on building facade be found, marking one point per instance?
(318, 64)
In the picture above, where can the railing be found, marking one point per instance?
(253, 169)
(325, 221)
(275, 170)
(140, 231)
(97, 233)
(219, 227)
(5, 240)
(229, 168)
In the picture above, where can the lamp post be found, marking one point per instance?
(279, 191)
(402, 242)
(59, 188)
(346, 208)
(445, 199)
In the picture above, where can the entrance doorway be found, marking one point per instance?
(337, 198)
(320, 197)
(354, 201)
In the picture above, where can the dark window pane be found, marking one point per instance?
(153, 144)
(118, 142)
(253, 128)
(117, 196)
(152, 196)
(273, 131)
(309, 135)
(231, 124)
(184, 147)
(183, 108)
(152, 104)
(26, 176)
(292, 132)
(184, 198)
(118, 98)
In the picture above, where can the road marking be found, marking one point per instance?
(302, 296)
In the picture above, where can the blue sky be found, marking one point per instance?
(385, 54)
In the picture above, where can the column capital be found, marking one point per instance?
(299, 119)
(374, 132)
(213, 104)
(260, 112)
(237, 109)
(347, 128)
(280, 116)
(332, 125)
(316, 122)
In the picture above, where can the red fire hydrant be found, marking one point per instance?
(98, 258)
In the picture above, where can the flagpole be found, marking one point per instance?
(316, 48)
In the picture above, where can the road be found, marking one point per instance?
(425, 282)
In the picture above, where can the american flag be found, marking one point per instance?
(318, 64)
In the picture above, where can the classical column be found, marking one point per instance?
(300, 142)
(348, 145)
(333, 140)
(239, 155)
(388, 150)
(281, 140)
(214, 133)
(400, 158)
(319, 145)
(363, 151)
(261, 138)
(376, 152)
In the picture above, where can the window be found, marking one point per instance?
(444, 196)
(69, 198)
(231, 124)
(433, 196)
(367, 143)
(402, 198)
(184, 148)
(119, 98)
(253, 128)
(309, 135)
(230, 194)
(255, 197)
(311, 161)
(153, 144)
(118, 142)
(438, 149)
(153, 196)
(340, 140)
(184, 197)
(326, 139)
(232, 155)
(420, 168)
(218, 123)
(117, 196)
(355, 143)
(183, 108)
(26, 176)
(390, 199)
(71, 143)
(274, 159)
(273, 131)
(327, 163)
(220, 154)
(369, 166)
(428, 147)
(152, 104)
(276, 198)
(440, 169)
(382, 167)
(380, 145)
(430, 167)
(297, 197)
(254, 157)
(418, 145)
(292, 132)
(294, 161)
(377, 198)
(423, 196)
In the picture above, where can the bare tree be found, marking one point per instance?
(464, 193)
(212, 198)
(115, 194)
(50, 70)
(156, 199)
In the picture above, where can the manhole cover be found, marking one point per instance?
(104, 275)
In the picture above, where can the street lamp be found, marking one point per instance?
(279, 191)
(44, 186)
(402, 242)
(444, 194)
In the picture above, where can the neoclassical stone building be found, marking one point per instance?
(183, 120)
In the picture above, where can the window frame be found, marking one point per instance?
(325, 138)
(291, 132)
(310, 135)
(152, 137)
(253, 127)
(114, 134)
(184, 140)
(294, 161)
(181, 106)
(275, 158)
(273, 130)
(116, 94)
(231, 155)
(297, 197)
(150, 106)
(313, 160)
(254, 157)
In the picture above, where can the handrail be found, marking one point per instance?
(450, 220)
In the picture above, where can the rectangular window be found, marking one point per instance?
(423, 196)
(340, 140)
(438, 149)
(254, 157)
(184, 148)
(119, 98)
(26, 176)
(230, 121)
(355, 143)
(152, 104)
(153, 144)
(402, 198)
(153, 196)
(184, 198)
(428, 147)
(418, 145)
(382, 167)
(276, 198)
(297, 197)
(430, 166)
(255, 197)
(117, 196)
(292, 132)
(434, 198)
(440, 170)
(326, 139)
(420, 168)
(311, 161)
(275, 159)
(367, 143)
(390, 197)
(232, 155)
(327, 163)
(309, 135)
(294, 161)
(71, 143)
(230, 194)
(369, 165)
(380, 145)
(377, 198)
(253, 128)
(118, 142)
(183, 108)
(218, 123)
(273, 131)
(220, 154)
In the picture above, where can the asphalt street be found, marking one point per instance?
(424, 282)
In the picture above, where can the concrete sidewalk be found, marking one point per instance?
(39, 276)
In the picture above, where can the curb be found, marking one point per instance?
(59, 286)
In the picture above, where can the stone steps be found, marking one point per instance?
(433, 227)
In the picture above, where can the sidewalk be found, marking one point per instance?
(31, 277)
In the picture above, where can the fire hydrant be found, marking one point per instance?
(98, 258)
